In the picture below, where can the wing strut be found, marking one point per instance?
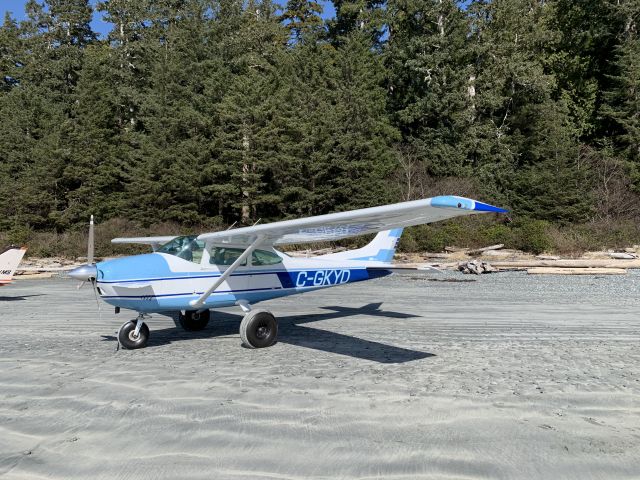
(203, 298)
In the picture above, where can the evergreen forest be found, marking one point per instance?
(205, 113)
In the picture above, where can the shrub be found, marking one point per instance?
(532, 236)
(19, 235)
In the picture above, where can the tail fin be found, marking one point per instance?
(9, 261)
(380, 249)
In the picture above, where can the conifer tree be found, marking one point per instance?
(429, 71)
(302, 18)
(623, 100)
(9, 53)
(246, 148)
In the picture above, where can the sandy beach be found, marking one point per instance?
(505, 376)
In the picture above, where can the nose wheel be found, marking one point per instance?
(259, 329)
(133, 334)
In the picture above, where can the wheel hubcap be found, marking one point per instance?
(133, 336)
(262, 332)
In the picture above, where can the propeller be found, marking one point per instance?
(89, 271)
(90, 243)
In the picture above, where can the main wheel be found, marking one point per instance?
(193, 320)
(259, 329)
(129, 340)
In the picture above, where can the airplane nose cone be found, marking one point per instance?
(84, 273)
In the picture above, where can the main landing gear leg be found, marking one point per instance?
(134, 334)
(259, 328)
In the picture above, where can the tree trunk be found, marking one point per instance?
(246, 207)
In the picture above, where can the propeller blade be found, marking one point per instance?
(95, 292)
(91, 243)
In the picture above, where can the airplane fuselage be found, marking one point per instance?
(159, 282)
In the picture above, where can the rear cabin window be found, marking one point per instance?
(264, 257)
(226, 256)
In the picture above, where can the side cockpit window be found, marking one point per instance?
(227, 255)
(185, 247)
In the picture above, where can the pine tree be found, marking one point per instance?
(36, 142)
(9, 53)
(303, 18)
(366, 16)
(358, 150)
(429, 91)
(580, 58)
(524, 139)
(176, 131)
(246, 147)
(623, 100)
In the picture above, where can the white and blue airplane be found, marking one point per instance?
(190, 275)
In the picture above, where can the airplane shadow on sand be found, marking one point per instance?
(18, 298)
(292, 331)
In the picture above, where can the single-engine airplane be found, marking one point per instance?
(189, 275)
(9, 260)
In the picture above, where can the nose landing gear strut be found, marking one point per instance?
(134, 334)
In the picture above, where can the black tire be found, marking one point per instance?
(193, 321)
(126, 338)
(258, 329)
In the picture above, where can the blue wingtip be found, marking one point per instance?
(485, 207)
(452, 201)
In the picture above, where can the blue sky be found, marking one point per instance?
(16, 7)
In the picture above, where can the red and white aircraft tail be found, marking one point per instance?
(9, 261)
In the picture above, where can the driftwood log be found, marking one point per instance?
(478, 251)
(576, 271)
(623, 255)
(595, 263)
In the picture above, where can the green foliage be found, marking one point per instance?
(19, 235)
(239, 110)
(531, 236)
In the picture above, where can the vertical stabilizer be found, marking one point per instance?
(380, 249)
(9, 261)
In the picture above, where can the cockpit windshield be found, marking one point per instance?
(186, 247)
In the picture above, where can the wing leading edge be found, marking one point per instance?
(335, 226)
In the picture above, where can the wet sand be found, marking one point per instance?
(509, 376)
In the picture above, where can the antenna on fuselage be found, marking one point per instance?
(232, 225)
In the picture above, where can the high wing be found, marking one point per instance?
(155, 242)
(335, 226)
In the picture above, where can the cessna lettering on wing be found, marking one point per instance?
(319, 278)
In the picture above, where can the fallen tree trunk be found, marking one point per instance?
(595, 263)
(623, 256)
(576, 271)
(478, 251)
